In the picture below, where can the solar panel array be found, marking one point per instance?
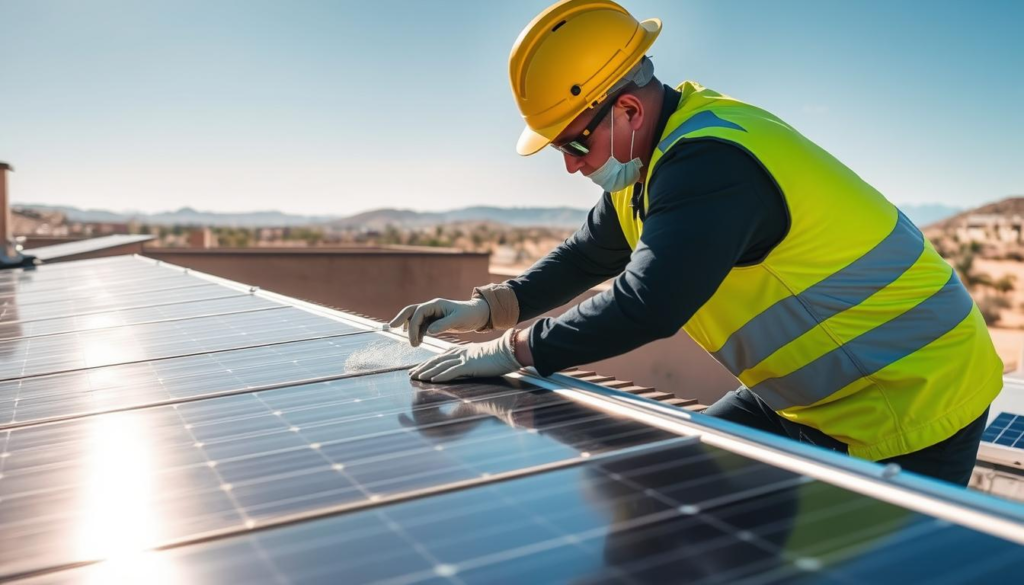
(1007, 430)
(158, 426)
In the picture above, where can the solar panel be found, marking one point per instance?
(84, 288)
(45, 398)
(675, 512)
(96, 273)
(239, 303)
(86, 246)
(159, 424)
(1006, 429)
(89, 349)
(227, 463)
(91, 266)
(14, 274)
(15, 310)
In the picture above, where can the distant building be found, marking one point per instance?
(202, 238)
(108, 228)
(991, 228)
(32, 222)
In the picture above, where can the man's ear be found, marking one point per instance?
(633, 108)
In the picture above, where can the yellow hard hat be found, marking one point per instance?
(567, 59)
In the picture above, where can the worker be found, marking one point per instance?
(844, 325)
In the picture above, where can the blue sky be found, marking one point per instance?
(337, 107)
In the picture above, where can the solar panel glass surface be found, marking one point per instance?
(675, 512)
(138, 412)
(223, 464)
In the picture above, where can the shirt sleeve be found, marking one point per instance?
(593, 254)
(711, 207)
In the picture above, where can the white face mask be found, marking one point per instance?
(614, 175)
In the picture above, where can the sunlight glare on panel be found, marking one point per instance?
(117, 488)
(115, 351)
(121, 519)
(99, 321)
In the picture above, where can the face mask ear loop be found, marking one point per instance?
(612, 116)
(631, 138)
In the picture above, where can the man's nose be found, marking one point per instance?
(572, 163)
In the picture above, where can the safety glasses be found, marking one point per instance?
(578, 146)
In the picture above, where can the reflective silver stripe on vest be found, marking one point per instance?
(698, 121)
(871, 351)
(791, 317)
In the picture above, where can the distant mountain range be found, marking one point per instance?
(185, 216)
(376, 219)
(562, 217)
(569, 217)
(929, 213)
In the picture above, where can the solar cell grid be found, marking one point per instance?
(79, 289)
(88, 349)
(223, 464)
(78, 265)
(652, 516)
(192, 290)
(48, 278)
(90, 266)
(239, 303)
(24, 401)
(1007, 429)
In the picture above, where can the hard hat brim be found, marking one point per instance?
(531, 142)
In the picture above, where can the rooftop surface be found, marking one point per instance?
(159, 423)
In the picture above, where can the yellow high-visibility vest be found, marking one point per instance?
(853, 324)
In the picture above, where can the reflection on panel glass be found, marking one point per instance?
(175, 379)
(70, 271)
(37, 289)
(81, 290)
(678, 513)
(89, 349)
(230, 463)
(23, 309)
(236, 304)
(76, 267)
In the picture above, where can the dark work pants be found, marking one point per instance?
(951, 460)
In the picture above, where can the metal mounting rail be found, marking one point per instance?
(958, 505)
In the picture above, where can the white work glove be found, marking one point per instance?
(440, 315)
(476, 360)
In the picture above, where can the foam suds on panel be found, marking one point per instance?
(382, 354)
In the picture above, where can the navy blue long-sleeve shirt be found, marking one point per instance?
(711, 207)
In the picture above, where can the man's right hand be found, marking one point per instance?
(440, 315)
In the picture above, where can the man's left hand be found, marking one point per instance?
(476, 360)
